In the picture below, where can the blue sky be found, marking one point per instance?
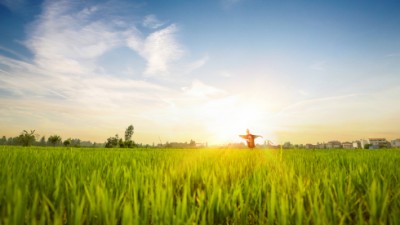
(303, 71)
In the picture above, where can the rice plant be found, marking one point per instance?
(40, 185)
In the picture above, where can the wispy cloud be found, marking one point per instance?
(13, 5)
(160, 48)
(67, 41)
(354, 111)
(14, 53)
(197, 64)
(201, 90)
(151, 21)
(68, 38)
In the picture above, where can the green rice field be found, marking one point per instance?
(46, 185)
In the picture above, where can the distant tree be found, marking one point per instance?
(9, 141)
(76, 142)
(128, 138)
(129, 133)
(26, 138)
(112, 142)
(12, 141)
(3, 140)
(121, 143)
(42, 141)
(67, 142)
(54, 140)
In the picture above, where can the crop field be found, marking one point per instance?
(45, 185)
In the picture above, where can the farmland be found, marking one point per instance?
(45, 185)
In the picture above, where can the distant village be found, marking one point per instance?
(370, 143)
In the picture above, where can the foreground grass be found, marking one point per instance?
(101, 186)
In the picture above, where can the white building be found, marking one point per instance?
(347, 145)
(396, 143)
(379, 143)
(364, 142)
(334, 144)
(310, 146)
(357, 144)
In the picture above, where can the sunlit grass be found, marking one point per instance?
(120, 186)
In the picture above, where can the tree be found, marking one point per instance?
(128, 137)
(76, 142)
(129, 133)
(42, 141)
(12, 141)
(26, 139)
(54, 139)
(67, 142)
(121, 143)
(3, 140)
(112, 142)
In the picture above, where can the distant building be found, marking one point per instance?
(379, 143)
(347, 145)
(310, 146)
(364, 143)
(334, 144)
(357, 144)
(321, 145)
(396, 143)
(202, 145)
(287, 145)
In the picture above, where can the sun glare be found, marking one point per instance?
(226, 122)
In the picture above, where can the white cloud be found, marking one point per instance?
(66, 41)
(196, 64)
(160, 48)
(201, 90)
(151, 21)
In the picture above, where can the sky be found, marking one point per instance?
(299, 71)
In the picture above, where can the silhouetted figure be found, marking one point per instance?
(249, 138)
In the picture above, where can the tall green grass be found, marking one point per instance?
(120, 186)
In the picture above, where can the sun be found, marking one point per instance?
(226, 121)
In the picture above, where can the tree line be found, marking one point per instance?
(30, 138)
